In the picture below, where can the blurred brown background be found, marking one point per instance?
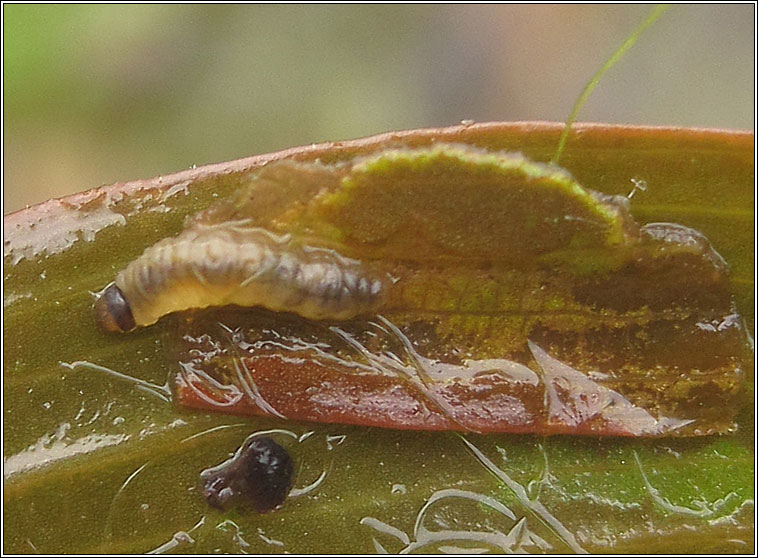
(99, 94)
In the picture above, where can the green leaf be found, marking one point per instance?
(97, 464)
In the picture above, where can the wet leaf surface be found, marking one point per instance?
(514, 300)
(94, 463)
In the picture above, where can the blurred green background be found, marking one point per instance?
(100, 94)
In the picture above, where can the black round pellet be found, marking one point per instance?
(260, 474)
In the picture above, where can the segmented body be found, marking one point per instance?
(220, 265)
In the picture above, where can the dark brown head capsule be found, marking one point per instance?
(260, 474)
(112, 311)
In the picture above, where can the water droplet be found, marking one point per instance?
(399, 489)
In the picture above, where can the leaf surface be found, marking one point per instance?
(94, 463)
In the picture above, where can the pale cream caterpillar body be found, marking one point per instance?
(232, 264)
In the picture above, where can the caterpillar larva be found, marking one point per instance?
(231, 264)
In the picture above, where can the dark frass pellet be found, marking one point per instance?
(260, 474)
